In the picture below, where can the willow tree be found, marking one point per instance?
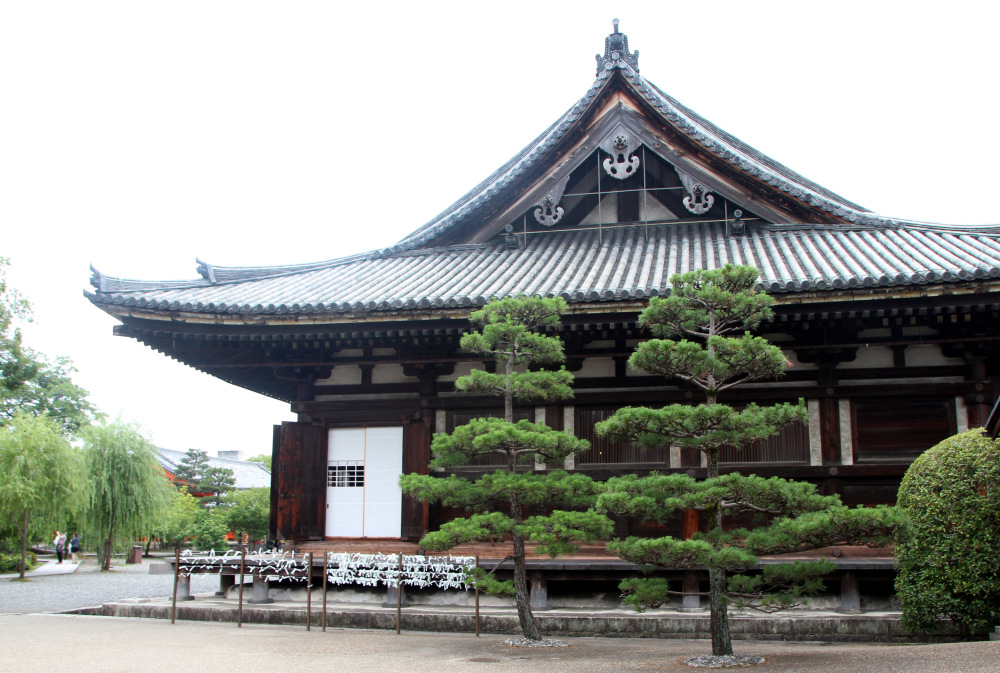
(129, 492)
(704, 339)
(509, 332)
(41, 476)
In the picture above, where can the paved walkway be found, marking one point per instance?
(42, 644)
(48, 568)
(86, 585)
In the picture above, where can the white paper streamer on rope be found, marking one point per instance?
(440, 572)
(270, 565)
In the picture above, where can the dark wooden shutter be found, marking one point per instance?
(272, 525)
(301, 477)
(899, 430)
(416, 456)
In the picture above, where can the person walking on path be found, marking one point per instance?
(60, 544)
(74, 548)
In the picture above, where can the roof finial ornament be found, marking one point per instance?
(616, 54)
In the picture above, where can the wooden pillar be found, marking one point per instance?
(690, 523)
(829, 431)
(850, 592)
(258, 594)
(539, 599)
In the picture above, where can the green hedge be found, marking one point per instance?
(949, 562)
(9, 562)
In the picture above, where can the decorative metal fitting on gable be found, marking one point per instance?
(548, 211)
(616, 54)
(738, 226)
(699, 199)
(510, 241)
(619, 166)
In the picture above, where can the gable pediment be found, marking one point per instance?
(626, 155)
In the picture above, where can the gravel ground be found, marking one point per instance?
(88, 586)
(114, 645)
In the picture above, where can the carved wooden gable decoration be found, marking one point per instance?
(629, 154)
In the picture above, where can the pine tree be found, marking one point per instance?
(710, 314)
(508, 332)
(195, 472)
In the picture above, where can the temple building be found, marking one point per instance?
(890, 325)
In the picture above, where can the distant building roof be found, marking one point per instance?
(247, 474)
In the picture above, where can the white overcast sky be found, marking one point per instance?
(137, 136)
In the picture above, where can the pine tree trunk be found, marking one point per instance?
(521, 596)
(722, 642)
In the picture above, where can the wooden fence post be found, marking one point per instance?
(326, 561)
(239, 612)
(399, 595)
(177, 568)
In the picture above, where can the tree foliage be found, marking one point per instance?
(129, 493)
(248, 511)
(704, 339)
(30, 382)
(264, 458)
(41, 476)
(947, 563)
(210, 530)
(182, 513)
(510, 331)
(43, 386)
(13, 306)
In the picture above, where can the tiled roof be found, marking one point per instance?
(856, 248)
(619, 263)
(247, 474)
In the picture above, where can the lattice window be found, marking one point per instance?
(604, 450)
(790, 445)
(345, 474)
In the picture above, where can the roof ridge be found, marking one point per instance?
(728, 147)
(117, 284)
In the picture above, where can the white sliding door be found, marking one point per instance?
(363, 498)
